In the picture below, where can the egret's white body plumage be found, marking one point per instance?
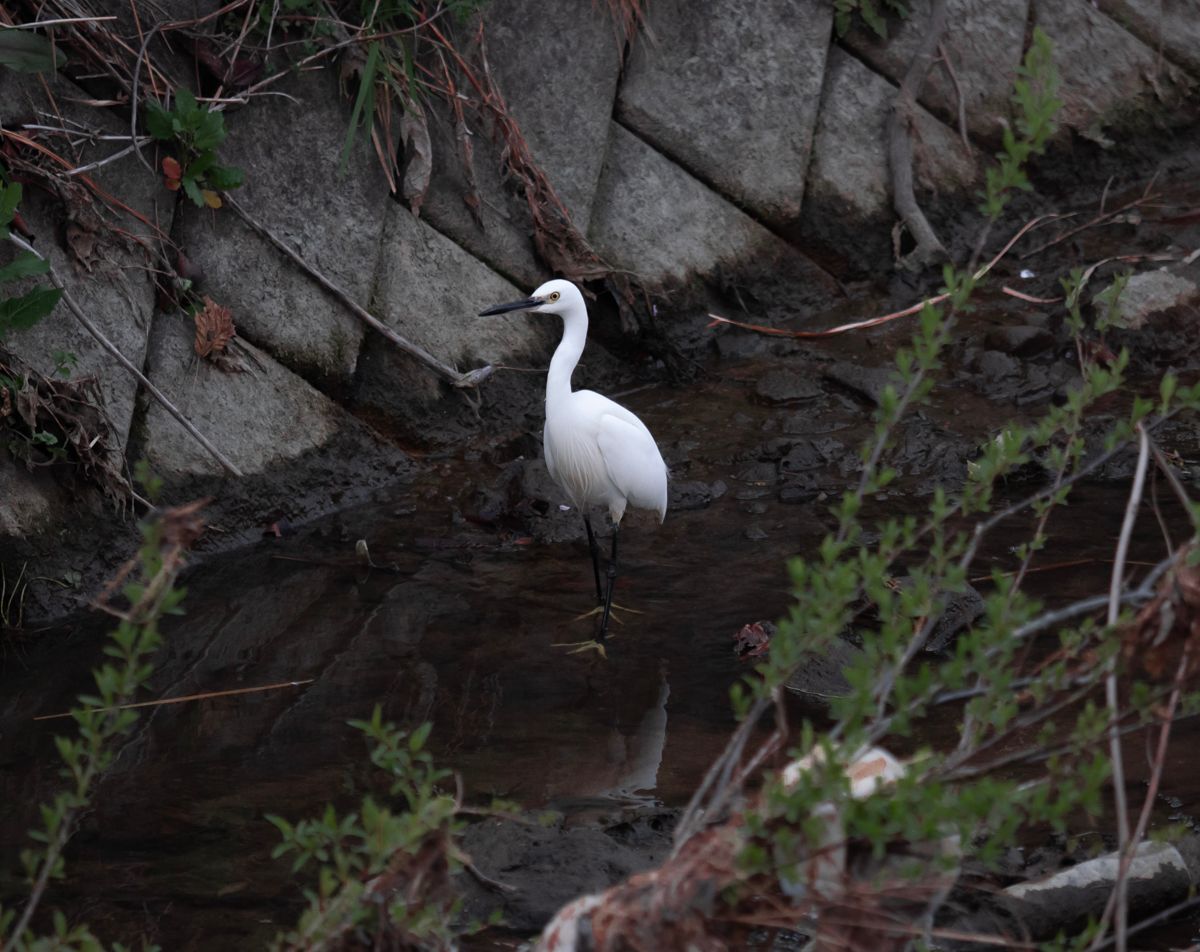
(600, 453)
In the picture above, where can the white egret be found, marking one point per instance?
(599, 453)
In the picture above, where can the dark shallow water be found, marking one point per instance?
(461, 629)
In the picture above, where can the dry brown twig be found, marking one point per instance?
(944, 59)
(1145, 198)
(895, 315)
(183, 699)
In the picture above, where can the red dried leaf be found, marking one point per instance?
(214, 328)
(753, 640)
(172, 173)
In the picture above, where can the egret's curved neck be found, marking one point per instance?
(562, 364)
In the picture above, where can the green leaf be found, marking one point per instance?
(225, 177)
(23, 266)
(23, 312)
(28, 52)
(364, 102)
(10, 198)
(210, 131)
(159, 122)
(185, 103)
(193, 191)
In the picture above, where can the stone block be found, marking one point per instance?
(289, 148)
(1147, 294)
(985, 41)
(1172, 26)
(97, 247)
(504, 240)
(849, 204)
(731, 93)
(1109, 77)
(430, 291)
(654, 219)
(264, 417)
(565, 121)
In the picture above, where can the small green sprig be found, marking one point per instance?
(1035, 96)
(102, 719)
(195, 133)
(395, 858)
(872, 12)
(21, 311)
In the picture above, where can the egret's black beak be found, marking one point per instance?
(525, 305)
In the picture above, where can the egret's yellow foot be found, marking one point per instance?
(599, 609)
(578, 647)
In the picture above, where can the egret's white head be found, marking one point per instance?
(553, 297)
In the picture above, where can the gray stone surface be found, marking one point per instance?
(28, 505)
(548, 866)
(654, 219)
(104, 271)
(563, 113)
(984, 40)
(732, 94)
(849, 183)
(1150, 292)
(1109, 76)
(1170, 25)
(502, 237)
(504, 241)
(430, 291)
(290, 152)
(266, 416)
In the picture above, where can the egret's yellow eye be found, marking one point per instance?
(554, 296)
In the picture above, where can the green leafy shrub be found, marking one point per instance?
(382, 868)
(195, 132)
(101, 720)
(23, 310)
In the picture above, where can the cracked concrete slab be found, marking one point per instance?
(655, 220)
(850, 180)
(984, 42)
(99, 250)
(1109, 76)
(430, 291)
(564, 121)
(289, 148)
(263, 417)
(710, 90)
(1172, 26)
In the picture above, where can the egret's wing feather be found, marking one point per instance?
(633, 462)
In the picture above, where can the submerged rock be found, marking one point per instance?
(542, 868)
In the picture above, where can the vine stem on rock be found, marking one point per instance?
(929, 248)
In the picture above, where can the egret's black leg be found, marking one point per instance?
(612, 578)
(595, 559)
